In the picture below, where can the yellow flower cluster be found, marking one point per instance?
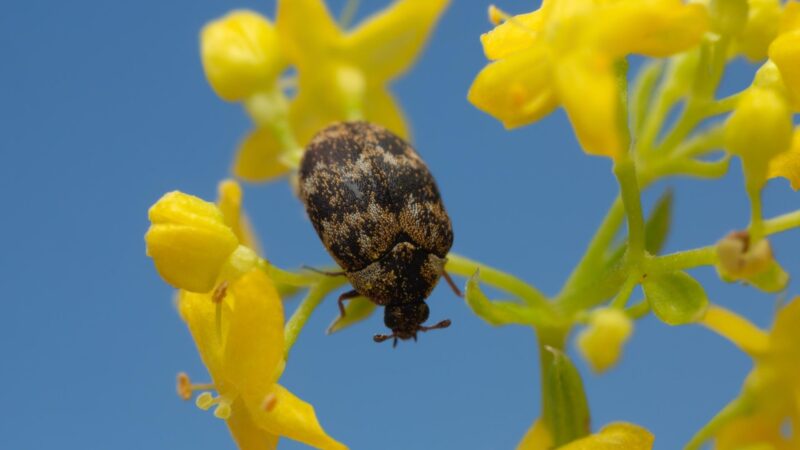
(565, 54)
(341, 74)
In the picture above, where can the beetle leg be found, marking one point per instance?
(443, 324)
(324, 272)
(349, 295)
(452, 284)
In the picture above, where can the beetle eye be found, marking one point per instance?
(422, 312)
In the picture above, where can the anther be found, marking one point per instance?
(205, 401)
(185, 388)
(223, 410)
(183, 385)
(270, 401)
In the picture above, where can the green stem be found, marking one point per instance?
(639, 310)
(782, 223)
(732, 410)
(286, 277)
(348, 13)
(270, 108)
(710, 139)
(626, 290)
(625, 170)
(703, 256)
(464, 267)
(303, 312)
(756, 215)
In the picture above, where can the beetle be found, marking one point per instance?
(377, 209)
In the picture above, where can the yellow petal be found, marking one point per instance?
(258, 158)
(537, 438)
(386, 44)
(516, 90)
(655, 29)
(736, 329)
(293, 418)
(240, 53)
(307, 30)
(754, 432)
(601, 343)
(254, 343)
(587, 89)
(188, 241)
(760, 29)
(790, 20)
(787, 164)
(785, 53)
(199, 313)
(380, 107)
(785, 339)
(246, 433)
(311, 111)
(230, 203)
(616, 436)
(518, 33)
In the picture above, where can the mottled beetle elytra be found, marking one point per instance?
(377, 210)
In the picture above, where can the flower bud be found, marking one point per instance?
(240, 54)
(728, 17)
(189, 241)
(760, 30)
(738, 259)
(602, 341)
(759, 129)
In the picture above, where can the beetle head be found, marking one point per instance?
(405, 321)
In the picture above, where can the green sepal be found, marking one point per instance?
(676, 298)
(356, 310)
(772, 279)
(499, 313)
(564, 404)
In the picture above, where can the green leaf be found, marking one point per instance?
(675, 298)
(356, 310)
(566, 410)
(772, 279)
(658, 224)
(499, 312)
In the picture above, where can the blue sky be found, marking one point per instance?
(104, 107)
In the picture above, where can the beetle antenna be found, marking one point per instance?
(443, 324)
(382, 337)
(324, 272)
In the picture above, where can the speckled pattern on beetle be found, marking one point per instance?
(379, 214)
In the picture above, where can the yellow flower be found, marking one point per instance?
(759, 129)
(564, 54)
(772, 390)
(785, 50)
(760, 29)
(244, 356)
(601, 343)
(615, 436)
(192, 245)
(787, 164)
(343, 75)
(240, 54)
